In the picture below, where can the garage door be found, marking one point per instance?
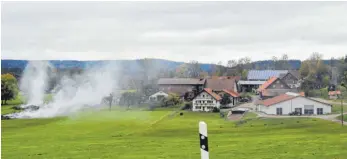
(308, 109)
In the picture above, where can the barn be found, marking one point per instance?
(291, 102)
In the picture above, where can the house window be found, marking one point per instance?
(274, 86)
(319, 111)
(278, 82)
(279, 111)
(281, 85)
(197, 107)
(203, 96)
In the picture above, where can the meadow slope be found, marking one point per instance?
(152, 134)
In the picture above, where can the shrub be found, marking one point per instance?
(171, 100)
(187, 106)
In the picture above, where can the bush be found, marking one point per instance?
(171, 100)
(187, 106)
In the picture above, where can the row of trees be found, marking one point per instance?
(317, 74)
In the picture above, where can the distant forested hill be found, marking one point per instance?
(134, 65)
(130, 65)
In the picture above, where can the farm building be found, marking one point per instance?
(274, 87)
(248, 86)
(234, 96)
(206, 100)
(158, 96)
(219, 84)
(291, 78)
(256, 78)
(263, 75)
(292, 102)
(181, 86)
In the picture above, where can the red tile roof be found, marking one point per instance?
(214, 95)
(275, 100)
(232, 93)
(334, 93)
(282, 98)
(267, 83)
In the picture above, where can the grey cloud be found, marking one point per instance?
(183, 31)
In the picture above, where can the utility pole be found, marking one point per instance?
(341, 110)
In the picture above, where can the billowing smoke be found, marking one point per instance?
(71, 95)
(33, 83)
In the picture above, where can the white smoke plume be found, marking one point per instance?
(72, 93)
(33, 83)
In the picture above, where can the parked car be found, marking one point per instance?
(244, 100)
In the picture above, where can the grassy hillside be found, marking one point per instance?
(153, 134)
(337, 108)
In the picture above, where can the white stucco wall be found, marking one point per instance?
(160, 93)
(290, 105)
(201, 101)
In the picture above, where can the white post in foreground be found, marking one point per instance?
(203, 140)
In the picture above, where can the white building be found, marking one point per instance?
(289, 102)
(158, 96)
(206, 100)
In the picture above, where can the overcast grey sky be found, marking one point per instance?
(180, 31)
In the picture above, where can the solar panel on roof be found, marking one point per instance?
(264, 74)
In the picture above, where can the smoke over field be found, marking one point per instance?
(72, 94)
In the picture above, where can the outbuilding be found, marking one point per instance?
(291, 102)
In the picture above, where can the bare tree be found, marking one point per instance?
(232, 63)
(194, 69)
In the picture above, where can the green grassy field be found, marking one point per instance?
(154, 134)
(337, 108)
(249, 115)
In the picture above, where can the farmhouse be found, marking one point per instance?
(292, 102)
(158, 96)
(334, 94)
(181, 85)
(206, 100)
(274, 87)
